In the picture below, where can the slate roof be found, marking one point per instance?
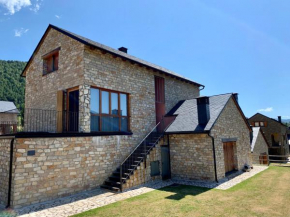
(8, 107)
(121, 54)
(187, 117)
(273, 119)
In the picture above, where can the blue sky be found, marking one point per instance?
(229, 46)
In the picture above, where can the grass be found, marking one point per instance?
(266, 194)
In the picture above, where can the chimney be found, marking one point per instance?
(123, 49)
(236, 97)
(279, 119)
(203, 110)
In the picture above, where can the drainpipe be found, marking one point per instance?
(10, 173)
(214, 156)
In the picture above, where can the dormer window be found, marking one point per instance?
(50, 61)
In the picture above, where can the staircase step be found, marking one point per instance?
(132, 162)
(112, 183)
(116, 189)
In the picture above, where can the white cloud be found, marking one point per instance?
(35, 7)
(20, 32)
(57, 16)
(269, 109)
(14, 5)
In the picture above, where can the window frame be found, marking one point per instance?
(51, 55)
(259, 124)
(100, 114)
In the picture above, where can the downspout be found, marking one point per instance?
(214, 156)
(10, 173)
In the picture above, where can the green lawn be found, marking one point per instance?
(266, 194)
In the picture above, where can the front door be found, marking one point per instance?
(73, 111)
(229, 156)
(159, 101)
(165, 162)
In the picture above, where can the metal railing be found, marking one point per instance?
(52, 121)
(139, 154)
(8, 127)
(41, 120)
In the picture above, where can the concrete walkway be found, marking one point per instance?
(84, 201)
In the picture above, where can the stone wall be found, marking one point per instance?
(191, 156)
(81, 66)
(4, 170)
(231, 125)
(6, 117)
(105, 71)
(41, 91)
(62, 166)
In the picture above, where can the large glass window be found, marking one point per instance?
(109, 111)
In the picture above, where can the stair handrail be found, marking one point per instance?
(140, 143)
(132, 152)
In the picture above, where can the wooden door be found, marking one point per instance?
(159, 100)
(229, 156)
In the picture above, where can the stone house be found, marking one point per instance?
(275, 132)
(96, 116)
(259, 146)
(209, 137)
(8, 117)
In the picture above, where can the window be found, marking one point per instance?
(109, 111)
(50, 61)
(259, 124)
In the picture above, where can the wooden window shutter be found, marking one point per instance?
(253, 124)
(55, 62)
(265, 123)
(129, 110)
(59, 111)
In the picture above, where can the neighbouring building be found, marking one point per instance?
(8, 117)
(275, 132)
(259, 147)
(96, 116)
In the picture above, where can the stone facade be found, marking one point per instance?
(66, 165)
(4, 170)
(41, 91)
(8, 117)
(231, 125)
(191, 156)
(278, 130)
(80, 66)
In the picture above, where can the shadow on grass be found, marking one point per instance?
(181, 191)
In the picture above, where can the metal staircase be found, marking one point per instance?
(138, 155)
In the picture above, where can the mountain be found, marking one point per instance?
(12, 85)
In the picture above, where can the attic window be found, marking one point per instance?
(50, 61)
(259, 124)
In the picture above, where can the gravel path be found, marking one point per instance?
(84, 201)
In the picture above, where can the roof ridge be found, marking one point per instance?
(113, 51)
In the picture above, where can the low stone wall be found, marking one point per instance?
(59, 167)
(62, 166)
(4, 170)
(191, 157)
